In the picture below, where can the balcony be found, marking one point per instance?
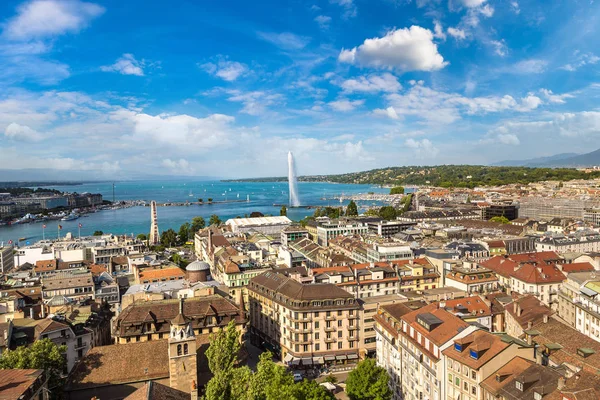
(330, 317)
(351, 338)
(352, 327)
(80, 345)
(330, 340)
(300, 318)
(330, 329)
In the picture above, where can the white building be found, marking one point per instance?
(77, 343)
(333, 229)
(266, 225)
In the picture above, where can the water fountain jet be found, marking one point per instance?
(293, 181)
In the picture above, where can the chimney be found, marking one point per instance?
(498, 378)
(442, 304)
(181, 306)
(519, 310)
(529, 339)
(529, 325)
(545, 318)
(561, 383)
(194, 392)
(515, 306)
(31, 312)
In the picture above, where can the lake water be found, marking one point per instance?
(136, 220)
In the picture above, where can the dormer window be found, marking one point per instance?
(474, 354)
(458, 347)
(537, 396)
(519, 385)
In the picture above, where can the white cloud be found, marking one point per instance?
(255, 102)
(407, 49)
(373, 83)
(499, 47)
(285, 40)
(438, 31)
(126, 65)
(472, 3)
(555, 98)
(457, 33)
(529, 103)
(345, 105)
(514, 5)
(348, 6)
(388, 112)
(580, 60)
(181, 166)
(509, 139)
(323, 21)
(45, 18)
(24, 133)
(422, 148)
(487, 10)
(532, 66)
(226, 70)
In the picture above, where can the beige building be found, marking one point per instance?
(304, 324)
(473, 358)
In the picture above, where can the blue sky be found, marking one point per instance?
(226, 88)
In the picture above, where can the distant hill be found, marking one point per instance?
(535, 161)
(559, 160)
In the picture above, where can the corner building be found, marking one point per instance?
(305, 325)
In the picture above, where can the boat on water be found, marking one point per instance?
(22, 239)
(70, 217)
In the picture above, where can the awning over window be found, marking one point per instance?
(288, 357)
(318, 360)
(342, 357)
(307, 361)
(352, 356)
(296, 361)
(329, 358)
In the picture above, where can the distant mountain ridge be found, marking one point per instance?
(558, 160)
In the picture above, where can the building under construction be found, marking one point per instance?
(544, 209)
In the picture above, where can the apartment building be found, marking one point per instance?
(304, 324)
(574, 243)
(541, 280)
(472, 278)
(382, 278)
(151, 320)
(73, 284)
(471, 359)
(523, 313)
(7, 262)
(412, 343)
(24, 384)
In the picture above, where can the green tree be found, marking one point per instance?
(372, 212)
(197, 224)
(98, 233)
(311, 390)
(368, 382)
(388, 213)
(283, 211)
(200, 200)
(42, 354)
(184, 232)
(168, 238)
(502, 219)
(142, 237)
(397, 190)
(352, 209)
(214, 220)
(210, 199)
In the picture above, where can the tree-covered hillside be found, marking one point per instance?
(446, 176)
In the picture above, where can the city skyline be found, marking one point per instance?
(107, 89)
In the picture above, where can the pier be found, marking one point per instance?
(196, 203)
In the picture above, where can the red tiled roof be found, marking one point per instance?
(539, 274)
(577, 267)
(14, 383)
(473, 303)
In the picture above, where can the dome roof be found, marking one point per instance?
(197, 266)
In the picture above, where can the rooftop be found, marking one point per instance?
(15, 383)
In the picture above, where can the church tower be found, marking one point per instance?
(182, 353)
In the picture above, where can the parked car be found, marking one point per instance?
(297, 378)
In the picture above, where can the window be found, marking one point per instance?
(457, 381)
(340, 323)
(340, 344)
(317, 347)
(317, 325)
(185, 348)
(474, 390)
(466, 386)
(316, 335)
(473, 374)
(178, 349)
(519, 385)
(340, 334)
(328, 346)
(450, 378)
